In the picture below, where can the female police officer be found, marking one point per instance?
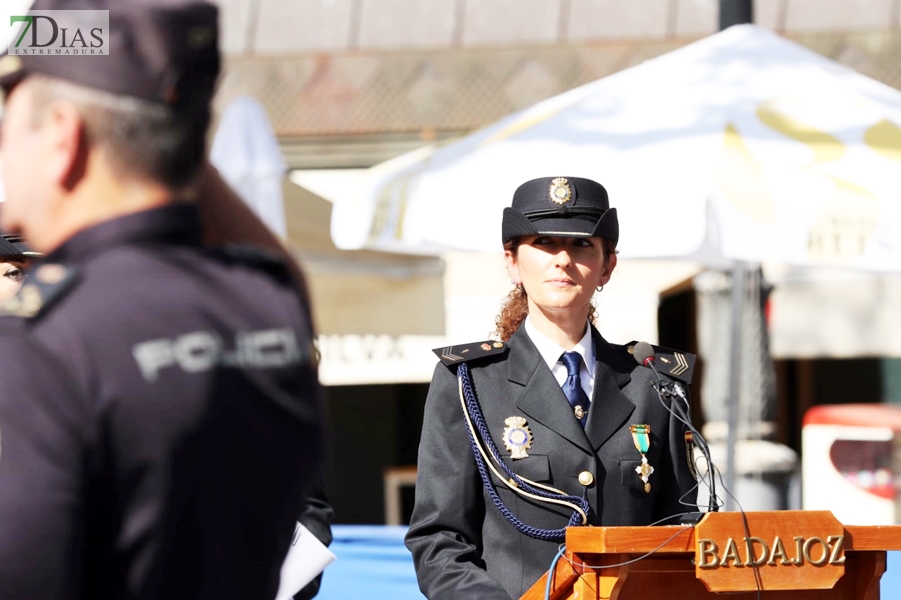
(548, 427)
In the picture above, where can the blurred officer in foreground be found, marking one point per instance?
(15, 258)
(159, 406)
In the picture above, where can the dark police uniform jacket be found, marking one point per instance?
(461, 543)
(159, 418)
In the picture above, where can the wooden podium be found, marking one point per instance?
(788, 555)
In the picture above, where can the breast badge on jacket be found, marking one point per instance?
(517, 437)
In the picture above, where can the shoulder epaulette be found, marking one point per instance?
(45, 285)
(452, 355)
(675, 364)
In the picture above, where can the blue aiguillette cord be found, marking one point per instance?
(475, 413)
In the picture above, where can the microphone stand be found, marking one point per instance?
(665, 389)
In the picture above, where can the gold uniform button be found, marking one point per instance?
(586, 478)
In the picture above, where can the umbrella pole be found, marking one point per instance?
(738, 299)
(735, 12)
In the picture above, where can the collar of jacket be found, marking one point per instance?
(543, 400)
(176, 223)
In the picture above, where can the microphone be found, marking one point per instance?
(644, 355)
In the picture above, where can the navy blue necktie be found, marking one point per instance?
(572, 387)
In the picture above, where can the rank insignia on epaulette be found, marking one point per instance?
(42, 287)
(673, 363)
(451, 355)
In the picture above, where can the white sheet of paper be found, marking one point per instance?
(307, 557)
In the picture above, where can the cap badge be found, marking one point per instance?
(517, 437)
(559, 191)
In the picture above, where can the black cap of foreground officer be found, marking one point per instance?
(560, 206)
(158, 73)
(162, 51)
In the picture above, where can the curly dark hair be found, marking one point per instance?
(515, 307)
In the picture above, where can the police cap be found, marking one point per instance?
(560, 206)
(13, 246)
(162, 51)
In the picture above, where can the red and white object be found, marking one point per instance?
(849, 462)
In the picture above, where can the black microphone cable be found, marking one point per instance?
(644, 354)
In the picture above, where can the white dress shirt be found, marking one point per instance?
(551, 351)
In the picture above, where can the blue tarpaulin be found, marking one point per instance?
(890, 586)
(374, 563)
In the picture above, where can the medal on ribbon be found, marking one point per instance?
(641, 437)
(517, 437)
